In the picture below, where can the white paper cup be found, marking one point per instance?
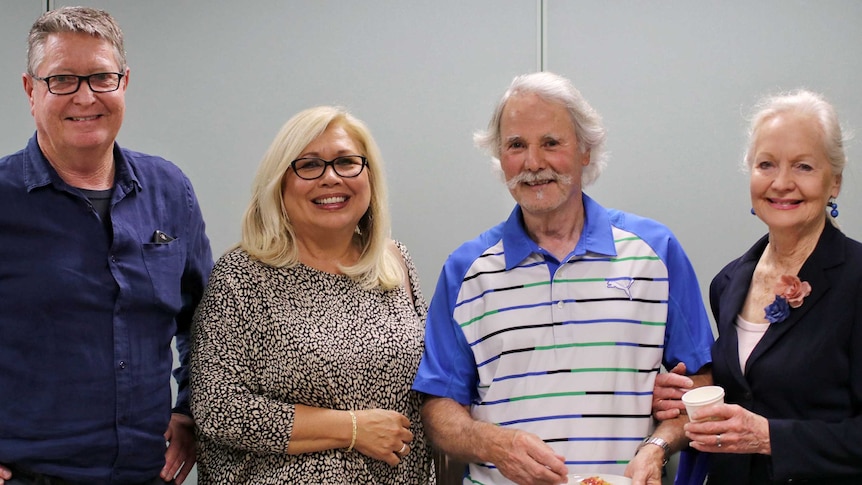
(700, 397)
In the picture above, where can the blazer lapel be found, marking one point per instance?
(826, 254)
(730, 306)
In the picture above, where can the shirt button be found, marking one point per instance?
(560, 305)
(122, 364)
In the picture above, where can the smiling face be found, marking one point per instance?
(791, 177)
(330, 205)
(84, 122)
(539, 155)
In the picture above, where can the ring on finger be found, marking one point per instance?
(401, 451)
(718, 440)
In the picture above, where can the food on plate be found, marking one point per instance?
(595, 481)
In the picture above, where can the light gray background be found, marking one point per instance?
(212, 82)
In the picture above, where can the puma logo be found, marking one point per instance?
(624, 284)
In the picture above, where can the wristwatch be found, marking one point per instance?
(655, 440)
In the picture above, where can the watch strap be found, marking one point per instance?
(655, 440)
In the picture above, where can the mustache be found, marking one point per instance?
(544, 175)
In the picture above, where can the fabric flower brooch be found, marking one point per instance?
(789, 293)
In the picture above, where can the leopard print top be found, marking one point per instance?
(267, 338)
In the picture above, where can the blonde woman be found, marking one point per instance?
(311, 330)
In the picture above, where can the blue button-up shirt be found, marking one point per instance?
(87, 314)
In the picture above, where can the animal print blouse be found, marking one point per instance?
(267, 338)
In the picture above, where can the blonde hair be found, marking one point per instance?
(267, 233)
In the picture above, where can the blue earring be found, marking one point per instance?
(834, 206)
(752, 211)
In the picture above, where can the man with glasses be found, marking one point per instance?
(103, 259)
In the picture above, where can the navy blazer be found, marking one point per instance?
(805, 374)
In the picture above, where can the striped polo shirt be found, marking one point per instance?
(566, 350)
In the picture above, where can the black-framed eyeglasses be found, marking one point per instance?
(310, 168)
(100, 82)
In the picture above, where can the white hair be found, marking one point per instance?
(553, 88)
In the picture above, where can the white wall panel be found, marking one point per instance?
(16, 124)
(212, 82)
(675, 81)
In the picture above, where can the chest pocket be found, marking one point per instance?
(165, 264)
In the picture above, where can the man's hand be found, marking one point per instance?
(180, 455)
(520, 456)
(645, 467)
(669, 388)
(528, 460)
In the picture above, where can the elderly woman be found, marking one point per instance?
(310, 332)
(789, 316)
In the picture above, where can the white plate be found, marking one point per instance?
(612, 479)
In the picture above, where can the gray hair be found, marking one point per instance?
(804, 102)
(553, 88)
(85, 20)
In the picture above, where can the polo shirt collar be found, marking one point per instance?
(596, 236)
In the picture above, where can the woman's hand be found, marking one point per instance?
(383, 435)
(728, 428)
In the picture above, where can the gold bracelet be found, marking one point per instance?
(353, 439)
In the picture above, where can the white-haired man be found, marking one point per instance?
(546, 332)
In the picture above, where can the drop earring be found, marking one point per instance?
(834, 206)
(752, 211)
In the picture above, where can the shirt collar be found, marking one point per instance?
(596, 236)
(38, 172)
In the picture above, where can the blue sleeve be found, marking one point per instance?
(448, 368)
(689, 335)
(199, 263)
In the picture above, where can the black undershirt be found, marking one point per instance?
(101, 201)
